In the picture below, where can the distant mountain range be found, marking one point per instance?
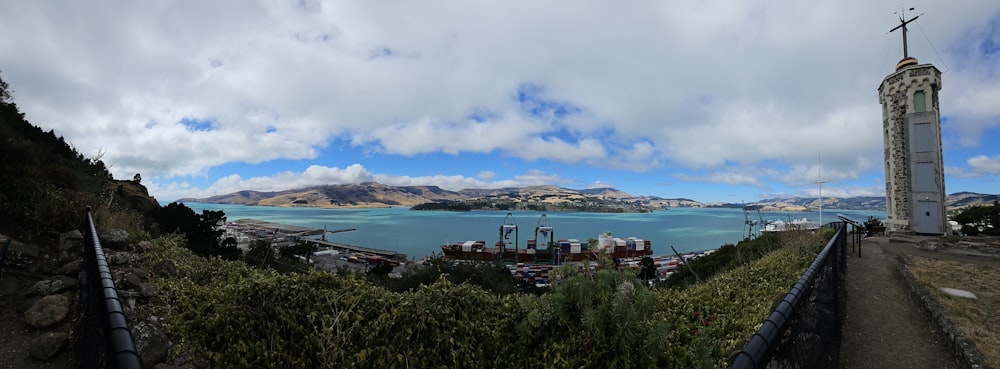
(373, 194)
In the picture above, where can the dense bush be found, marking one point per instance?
(239, 316)
(726, 257)
(201, 230)
(493, 277)
(980, 219)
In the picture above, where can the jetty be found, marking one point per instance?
(359, 249)
(286, 229)
(263, 229)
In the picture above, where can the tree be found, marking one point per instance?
(202, 231)
(301, 248)
(5, 95)
(980, 219)
(648, 270)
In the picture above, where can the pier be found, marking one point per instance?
(364, 250)
(286, 229)
(261, 229)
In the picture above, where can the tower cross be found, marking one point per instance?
(902, 24)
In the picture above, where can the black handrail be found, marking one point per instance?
(762, 346)
(106, 340)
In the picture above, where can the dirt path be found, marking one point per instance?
(884, 326)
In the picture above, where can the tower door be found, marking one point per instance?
(928, 218)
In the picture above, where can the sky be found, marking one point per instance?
(716, 101)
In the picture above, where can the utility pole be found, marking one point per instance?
(820, 182)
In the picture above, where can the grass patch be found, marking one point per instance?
(975, 317)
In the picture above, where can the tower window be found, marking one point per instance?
(919, 102)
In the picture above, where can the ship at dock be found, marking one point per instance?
(545, 248)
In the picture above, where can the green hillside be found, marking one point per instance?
(46, 184)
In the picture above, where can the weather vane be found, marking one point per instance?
(902, 24)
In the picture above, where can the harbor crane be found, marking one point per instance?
(749, 223)
(506, 229)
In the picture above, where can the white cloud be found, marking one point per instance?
(600, 184)
(958, 172)
(984, 164)
(486, 175)
(723, 177)
(712, 85)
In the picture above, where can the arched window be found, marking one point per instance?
(919, 102)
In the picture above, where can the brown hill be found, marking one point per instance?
(369, 194)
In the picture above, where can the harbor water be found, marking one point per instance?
(420, 233)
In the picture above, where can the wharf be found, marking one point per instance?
(287, 229)
(365, 250)
(297, 231)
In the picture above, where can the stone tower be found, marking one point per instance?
(914, 166)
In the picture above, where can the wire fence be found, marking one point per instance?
(804, 329)
(103, 336)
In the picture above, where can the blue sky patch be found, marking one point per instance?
(532, 100)
(198, 125)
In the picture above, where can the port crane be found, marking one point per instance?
(548, 238)
(506, 229)
(749, 223)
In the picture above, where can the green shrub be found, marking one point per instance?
(239, 316)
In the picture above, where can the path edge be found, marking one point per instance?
(963, 349)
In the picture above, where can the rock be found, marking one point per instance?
(130, 278)
(151, 343)
(70, 240)
(165, 268)
(20, 255)
(149, 290)
(143, 246)
(69, 283)
(47, 266)
(47, 345)
(24, 249)
(47, 311)
(929, 246)
(115, 239)
(119, 258)
(27, 303)
(71, 268)
(46, 287)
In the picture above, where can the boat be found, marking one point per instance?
(544, 248)
(792, 224)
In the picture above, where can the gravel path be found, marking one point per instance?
(884, 326)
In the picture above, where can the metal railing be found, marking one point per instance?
(804, 329)
(103, 336)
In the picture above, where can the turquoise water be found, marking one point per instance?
(419, 233)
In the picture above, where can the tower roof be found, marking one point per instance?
(906, 62)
